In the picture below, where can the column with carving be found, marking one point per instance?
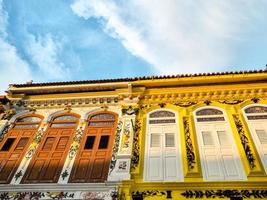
(122, 149)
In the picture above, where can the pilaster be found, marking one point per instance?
(122, 149)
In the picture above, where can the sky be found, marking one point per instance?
(67, 40)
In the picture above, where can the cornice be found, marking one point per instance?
(62, 103)
(185, 99)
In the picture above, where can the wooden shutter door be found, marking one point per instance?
(210, 153)
(82, 166)
(154, 166)
(231, 163)
(12, 150)
(94, 155)
(101, 155)
(48, 161)
(170, 153)
(259, 130)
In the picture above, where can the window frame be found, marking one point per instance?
(226, 126)
(252, 131)
(162, 147)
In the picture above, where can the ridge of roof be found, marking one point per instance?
(137, 78)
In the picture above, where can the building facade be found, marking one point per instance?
(196, 136)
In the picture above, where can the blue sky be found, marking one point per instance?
(63, 40)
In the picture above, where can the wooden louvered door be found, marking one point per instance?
(48, 161)
(93, 158)
(12, 150)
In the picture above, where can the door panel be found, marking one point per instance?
(155, 168)
(12, 150)
(219, 153)
(93, 158)
(259, 133)
(46, 165)
(162, 153)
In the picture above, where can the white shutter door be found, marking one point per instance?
(170, 157)
(154, 160)
(210, 154)
(231, 164)
(260, 131)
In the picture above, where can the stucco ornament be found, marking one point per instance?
(115, 148)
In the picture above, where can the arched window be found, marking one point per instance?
(256, 117)
(102, 119)
(163, 153)
(218, 151)
(15, 143)
(65, 121)
(47, 162)
(93, 158)
(28, 122)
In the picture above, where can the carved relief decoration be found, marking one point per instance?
(216, 95)
(8, 114)
(115, 148)
(185, 104)
(100, 195)
(129, 110)
(36, 140)
(244, 141)
(149, 193)
(191, 159)
(36, 195)
(5, 130)
(76, 142)
(66, 103)
(136, 146)
(231, 101)
(126, 134)
(199, 194)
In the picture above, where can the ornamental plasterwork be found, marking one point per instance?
(100, 195)
(223, 95)
(8, 114)
(151, 193)
(190, 153)
(115, 148)
(76, 142)
(185, 103)
(136, 147)
(244, 141)
(126, 135)
(36, 140)
(231, 101)
(5, 130)
(129, 110)
(211, 194)
(36, 195)
(62, 103)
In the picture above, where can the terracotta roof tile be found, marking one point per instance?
(137, 78)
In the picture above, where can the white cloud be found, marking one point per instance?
(177, 36)
(12, 67)
(44, 53)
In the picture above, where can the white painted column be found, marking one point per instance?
(122, 149)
